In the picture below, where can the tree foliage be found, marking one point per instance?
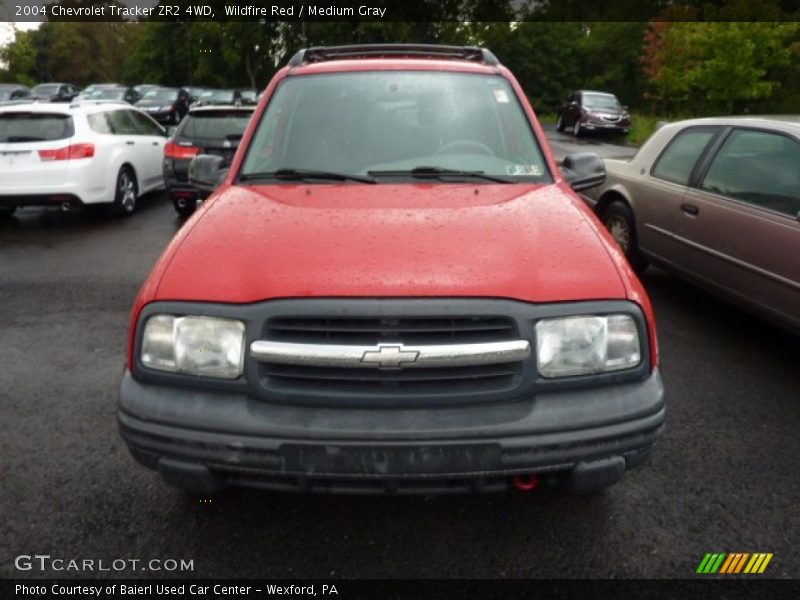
(716, 67)
(675, 63)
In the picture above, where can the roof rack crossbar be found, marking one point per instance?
(325, 53)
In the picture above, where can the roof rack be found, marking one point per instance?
(325, 53)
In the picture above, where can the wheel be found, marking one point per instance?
(7, 211)
(621, 224)
(484, 149)
(126, 193)
(560, 124)
(185, 207)
(576, 128)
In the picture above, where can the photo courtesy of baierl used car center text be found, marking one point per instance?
(399, 299)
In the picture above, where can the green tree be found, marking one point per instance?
(720, 66)
(20, 58)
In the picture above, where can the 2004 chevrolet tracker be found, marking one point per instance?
(393, 289)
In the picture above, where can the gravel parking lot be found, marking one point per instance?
(724, 479)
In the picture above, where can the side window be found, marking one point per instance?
(144, 124)
(758, 167)
(121, 123)
(98, 122)
(680, 157)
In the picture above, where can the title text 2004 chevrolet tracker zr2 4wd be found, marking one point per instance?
(394, 289)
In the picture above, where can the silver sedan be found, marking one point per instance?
(716, 201)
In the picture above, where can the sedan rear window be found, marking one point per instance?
(17, 127)
(217, 124)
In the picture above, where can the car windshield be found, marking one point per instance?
(47, 88)
(164, 95)
(217, 124)
(109, 94)
(601, 101)
(18, 127)
(389, 124)
(217, 96)
(5, 94)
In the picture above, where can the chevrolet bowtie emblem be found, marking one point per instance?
(389, 357)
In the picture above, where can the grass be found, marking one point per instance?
(547, 118)
(642, 127)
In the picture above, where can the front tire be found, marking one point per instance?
(560, 124)
(126, 193)
(621, 224)
(576, 128)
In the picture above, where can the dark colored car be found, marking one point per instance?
(205, 130)
(120, 94)
(394, 289)
(194, 93)
(10, 92)
(166, 105)
(143, 88)
(587, 110)
(54, 92)
(226, 97)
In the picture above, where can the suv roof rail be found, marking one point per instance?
(324, 53)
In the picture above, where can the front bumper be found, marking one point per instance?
(204, 440)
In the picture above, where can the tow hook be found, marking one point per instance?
(526, 483)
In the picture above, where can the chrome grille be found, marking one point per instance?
(391, 383)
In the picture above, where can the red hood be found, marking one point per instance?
(512, 241)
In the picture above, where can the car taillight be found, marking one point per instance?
(172, 150)
(68, 153)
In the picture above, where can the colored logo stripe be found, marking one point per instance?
(758, 563)
(734, 563)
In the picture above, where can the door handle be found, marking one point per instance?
(155, 143)
(690, 209)
(130, 143)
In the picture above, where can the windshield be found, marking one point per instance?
(386, 123)
(48, 88)
(600, 101)
(17, 127)
(161, 95)
(5, 94)
(217, 95)
(218, 124)
(109, 94)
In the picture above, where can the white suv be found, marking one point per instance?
(78, 154)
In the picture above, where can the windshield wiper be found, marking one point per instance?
(440, 171)
(24, 138)
(297, 174)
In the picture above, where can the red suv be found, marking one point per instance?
(393, 289)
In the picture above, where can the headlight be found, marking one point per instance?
(585, 345)
(194, 345)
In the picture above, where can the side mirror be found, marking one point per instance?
(206, 173)
(170, 131)
(583, 170)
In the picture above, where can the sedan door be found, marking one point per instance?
(740, 225)
(659, 195)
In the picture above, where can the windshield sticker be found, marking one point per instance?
(534, 170)
(500, 96)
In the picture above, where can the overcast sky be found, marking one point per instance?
(7, 30)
